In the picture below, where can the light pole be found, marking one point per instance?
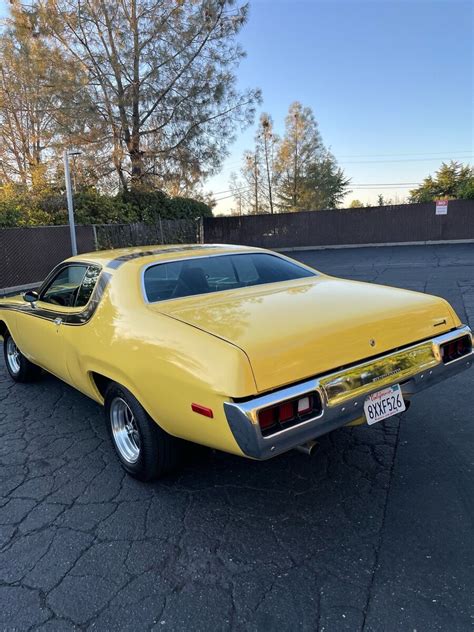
(70, 206)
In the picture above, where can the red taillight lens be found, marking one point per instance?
(289, 413)
(286, 411)
(456, 349)
(266, 418)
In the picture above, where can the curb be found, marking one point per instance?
(375, 245)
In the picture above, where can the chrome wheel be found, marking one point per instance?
(124, 430)
(13, 356)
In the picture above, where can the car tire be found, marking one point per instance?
(19, 368)
(145, 450)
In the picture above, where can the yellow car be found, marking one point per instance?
(239, 349)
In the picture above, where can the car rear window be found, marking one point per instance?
(203, 275)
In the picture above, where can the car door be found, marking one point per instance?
(39, 326)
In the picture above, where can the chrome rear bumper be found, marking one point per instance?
(343, 394)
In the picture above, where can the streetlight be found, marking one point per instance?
(70, 206)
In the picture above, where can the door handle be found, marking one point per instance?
(58, 321)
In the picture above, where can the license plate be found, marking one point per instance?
(383, 404)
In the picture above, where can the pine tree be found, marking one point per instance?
(453, 180)
(308, 175)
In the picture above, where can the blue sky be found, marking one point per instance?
(383, 77)
(390, 83)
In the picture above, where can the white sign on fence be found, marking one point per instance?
(441, 207)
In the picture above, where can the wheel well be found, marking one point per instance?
(3, 329)
(101, 382)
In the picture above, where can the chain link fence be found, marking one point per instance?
(165, 231)
(27, 255)
(399, 223)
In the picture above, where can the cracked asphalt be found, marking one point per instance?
(374, 532)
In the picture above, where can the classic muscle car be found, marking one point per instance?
(240, 349)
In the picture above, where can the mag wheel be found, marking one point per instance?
(145, 450)
(19, 368)
(125, 433)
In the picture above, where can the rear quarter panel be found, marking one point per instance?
(166, 364)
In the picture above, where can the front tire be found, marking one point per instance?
(19, 368)
(145, 450)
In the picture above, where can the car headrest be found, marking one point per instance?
(194, 278)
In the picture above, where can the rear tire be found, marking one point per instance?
(145, 450)
(19, 368)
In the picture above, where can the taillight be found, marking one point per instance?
(456, 349)
(289, 413)
(266, 418)
(286, 411)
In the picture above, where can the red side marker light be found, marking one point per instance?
(202, 410)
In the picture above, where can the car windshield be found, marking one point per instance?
(203, 275)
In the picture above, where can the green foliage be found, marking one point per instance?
(187, 208)
(356, 204)
(453, 180)
(466, 189)
(325, 184)
(25, 206)
(301, 147)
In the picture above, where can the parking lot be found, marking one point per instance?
(374, 532)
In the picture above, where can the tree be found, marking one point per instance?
(254, 187)
(292, 174)
(356, 204)
(301, 146)
(308, 175)
(248, 187)
(453, 180)
(28, 127)
(266, 143)
(161, 76)
(325, 185)
(42, 107)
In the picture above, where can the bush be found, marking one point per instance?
(21, 206)
(189, 208)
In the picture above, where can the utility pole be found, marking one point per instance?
(70, 205)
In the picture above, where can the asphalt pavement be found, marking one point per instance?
(374, 532)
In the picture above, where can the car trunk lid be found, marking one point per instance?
(294, 330)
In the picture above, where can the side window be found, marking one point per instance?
(87, 286)
(64, 288)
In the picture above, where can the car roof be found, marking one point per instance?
(148, 254)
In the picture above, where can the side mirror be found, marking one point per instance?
(31, 296)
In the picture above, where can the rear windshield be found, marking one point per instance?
(213, 274)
